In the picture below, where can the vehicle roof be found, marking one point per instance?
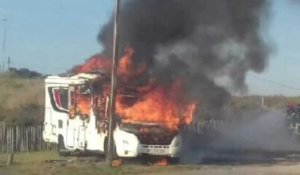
(80, 78)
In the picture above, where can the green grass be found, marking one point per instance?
(37, 163)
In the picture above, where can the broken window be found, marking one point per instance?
(80, 101)
(59, 98)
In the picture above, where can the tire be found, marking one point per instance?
(62, 151)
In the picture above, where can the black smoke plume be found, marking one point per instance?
(211, 43)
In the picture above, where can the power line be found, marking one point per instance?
(275, 83)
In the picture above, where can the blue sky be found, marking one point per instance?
(51, 36)
(282, 76)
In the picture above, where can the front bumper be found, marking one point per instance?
(155, 150)
(160, 150)
(128, 145)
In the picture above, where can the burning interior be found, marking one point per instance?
(140, 99)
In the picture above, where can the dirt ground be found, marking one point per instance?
(259, 147)
(257, 163)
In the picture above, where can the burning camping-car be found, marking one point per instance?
(149, 114)
(76, 118)
(172, 56)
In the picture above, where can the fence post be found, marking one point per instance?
(12, 146)
(22, 138)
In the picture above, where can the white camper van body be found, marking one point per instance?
(79, 133)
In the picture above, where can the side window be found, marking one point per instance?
(56, 94)
(72, 102)
(72, 97)
(64, 98)
(59, 98)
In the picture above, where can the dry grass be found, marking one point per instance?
(270, 102)
(37, 163)
(22, 100)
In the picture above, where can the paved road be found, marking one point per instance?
(258, 169)
(259, 145)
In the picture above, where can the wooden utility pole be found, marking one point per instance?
(4, 20)
(8, 63)
(262, 101)
(112, 99)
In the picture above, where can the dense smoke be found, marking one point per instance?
(212, 44)
(256, 132)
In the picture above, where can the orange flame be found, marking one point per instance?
(159, 106)
(95, 63)
(162, 104)
(127, 69)
(161, 162)
(83, 105)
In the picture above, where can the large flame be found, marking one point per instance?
(160, 105)
(82, 105)
(127, 69)
(94, 64)
(149, 102)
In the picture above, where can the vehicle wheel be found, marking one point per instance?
(62, 151)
